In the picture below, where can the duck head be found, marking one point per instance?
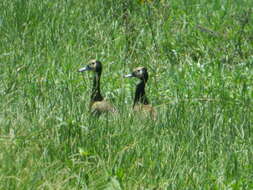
(93, 65)
(140, 73)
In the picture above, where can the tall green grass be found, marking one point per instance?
(199, 56)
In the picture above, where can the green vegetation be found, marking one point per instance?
(200, 60)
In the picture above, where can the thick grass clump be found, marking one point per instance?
(199, 56)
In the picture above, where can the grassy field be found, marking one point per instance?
(200, 60)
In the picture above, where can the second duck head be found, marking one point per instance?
(93, 65)
(140, 73)
(96, 67)
(140, 95)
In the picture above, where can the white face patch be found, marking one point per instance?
(93, 63)
(139, 73)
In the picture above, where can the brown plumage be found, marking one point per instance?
(97, 103)
(141, 103)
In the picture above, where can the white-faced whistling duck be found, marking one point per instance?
(141, 103)
(97, 103)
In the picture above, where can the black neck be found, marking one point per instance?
(140, 96)
(95, 94)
